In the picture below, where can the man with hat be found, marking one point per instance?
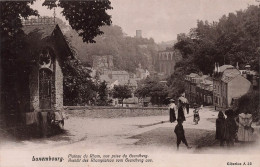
(172, 108)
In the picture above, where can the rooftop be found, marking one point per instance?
(224, 67)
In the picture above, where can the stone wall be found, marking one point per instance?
(114, 112)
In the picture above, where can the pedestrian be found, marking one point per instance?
(180, 134)
(245, 131)
(181, 115)
(196, 116)
(188, 107)
(172, 108)
(230, 127)
(220, 128)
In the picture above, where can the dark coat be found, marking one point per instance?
(230, 128)
(179, 131)
(181, 114)
(220, 128)
(172, 115)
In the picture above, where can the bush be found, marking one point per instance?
(249, 103)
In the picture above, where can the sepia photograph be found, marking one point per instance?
(129, 83)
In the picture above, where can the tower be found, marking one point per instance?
(138, 34)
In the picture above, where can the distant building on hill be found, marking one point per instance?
(166, 61)
(141, 73)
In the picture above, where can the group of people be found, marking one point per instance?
(234, 127)
(230, 129)
(179, 131)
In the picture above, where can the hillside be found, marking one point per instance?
(127, 51)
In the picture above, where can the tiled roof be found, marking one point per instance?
(229, 74)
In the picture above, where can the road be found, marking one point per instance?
(153, 134)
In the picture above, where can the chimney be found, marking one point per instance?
(218, 70)
(215, 69)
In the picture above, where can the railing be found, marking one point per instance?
(38, 21)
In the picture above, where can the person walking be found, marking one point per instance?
(220, 128)
(172, 108)
(180, 134)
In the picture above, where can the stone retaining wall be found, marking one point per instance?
(114, 112)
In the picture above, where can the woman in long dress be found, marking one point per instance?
(245, 131)
(172, 108)
(181, 115)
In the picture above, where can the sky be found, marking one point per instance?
(162, 20)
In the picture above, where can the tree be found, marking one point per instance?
(234, 38)
(154, 89)
(102, 94)
(11, 26)
(79, 89)
(86, 17)
(122, 92)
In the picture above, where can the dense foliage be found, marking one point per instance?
(102, 99)
(154, 89)
(11, 26)
(86, 17)
(249, 103)
(127, 51)
(233, 39)
(79, 89)
(121, 92)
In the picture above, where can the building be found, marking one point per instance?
(141, 73)
(188, 87)
(205, 91)
(35, 91)
(167, 60)
(199, 89)
(228, 84)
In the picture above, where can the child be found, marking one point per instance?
(196, 117)
(179, 131)
(172, 108)
(220, 128)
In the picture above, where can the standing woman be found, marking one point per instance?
(172, 108)
(181, 115)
